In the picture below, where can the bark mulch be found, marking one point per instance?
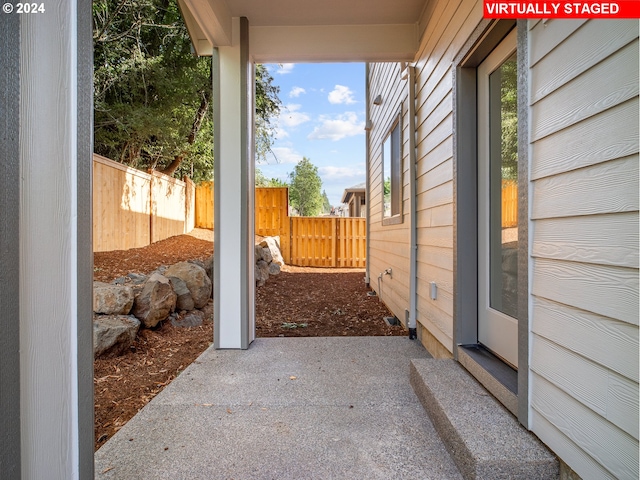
(300, 302)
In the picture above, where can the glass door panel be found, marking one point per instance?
(498, 201)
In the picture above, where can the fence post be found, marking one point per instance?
(151, 206)
(334, 242)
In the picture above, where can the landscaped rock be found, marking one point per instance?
(137, 278)
(130, 279)
(208, 267)
(266, 255)
(273, 244)
(261, 272)
(190, 319)
(160, 270)
(274, 269)
(207, 311)
(112, 299)
(258, 253)
(184, 300)
(196, 279)
(113, 334)
(155, 302)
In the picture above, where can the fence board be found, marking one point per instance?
(132, 208)
(168, 206)
(204, 205)
(328, 242)
(190, 212)
(313, 241)
(304, 241)
(120, 206)
(509, 204)
(352, 242)
(272, 216)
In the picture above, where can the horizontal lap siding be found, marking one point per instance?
(388, 244)
(448, 26)
(584, 243)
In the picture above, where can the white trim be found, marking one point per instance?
(233, 251)
(494, 327)
(334, 43)
(49, 389)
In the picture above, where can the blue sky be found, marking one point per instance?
(322, 119)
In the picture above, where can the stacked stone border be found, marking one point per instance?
(181, 293)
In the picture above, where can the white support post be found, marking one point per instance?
(55, 319)
(234, 184)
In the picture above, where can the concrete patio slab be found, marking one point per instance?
(287, 408)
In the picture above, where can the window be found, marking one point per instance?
(392, 175)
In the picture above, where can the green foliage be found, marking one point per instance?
(304, 189)
(387, 187)
(509, 118)
(326, 204)
(293, 325)
(262, 181)
(149, 87)
(267, 108)
(153, 96)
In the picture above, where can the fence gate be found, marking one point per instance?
(352, 242)
(304, 241)
(328, 242)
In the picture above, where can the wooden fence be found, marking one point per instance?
(509, 204)
(204, 205)
(304, 241)
(132, 208)
(272, 216)
(352, 242)
(328, 241)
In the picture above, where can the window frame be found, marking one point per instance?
(395, 163)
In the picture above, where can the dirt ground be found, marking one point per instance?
(299, 302)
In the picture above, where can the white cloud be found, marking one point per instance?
(286, 155)
(332, 173)
(285, 68)
(291, 117)
(281, 133)
(341, 94)
(342, 126)
(296, 92)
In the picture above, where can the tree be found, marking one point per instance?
(152, 95)
(304, 189)
(262, 181)
(267, 108)
(509, 118)
(326, 204)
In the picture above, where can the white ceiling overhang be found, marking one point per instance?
(310, 31)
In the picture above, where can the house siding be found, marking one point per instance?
(584, 243)
(389, 244)
(583, 114)
(445, 26)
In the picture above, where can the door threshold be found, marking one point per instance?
(500, 379)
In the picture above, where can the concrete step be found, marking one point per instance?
(483, 438)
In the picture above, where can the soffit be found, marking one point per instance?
(265, 13)
(305, 30)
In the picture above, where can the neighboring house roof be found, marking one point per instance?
(348, 192)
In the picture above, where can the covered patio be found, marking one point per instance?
(238, 34)
(287, 408)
